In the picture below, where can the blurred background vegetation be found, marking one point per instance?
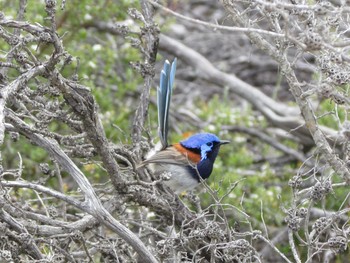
(102, 62)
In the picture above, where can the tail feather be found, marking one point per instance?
(167, 77)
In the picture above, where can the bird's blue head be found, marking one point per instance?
(207, 144)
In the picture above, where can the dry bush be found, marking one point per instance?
(61, 214)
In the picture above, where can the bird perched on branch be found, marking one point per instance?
(189, 160)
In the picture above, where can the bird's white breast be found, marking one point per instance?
(180, 179)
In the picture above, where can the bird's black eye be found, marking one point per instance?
(209, 143)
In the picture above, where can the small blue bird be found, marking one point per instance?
(189, 160)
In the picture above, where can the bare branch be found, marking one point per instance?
(93, 206)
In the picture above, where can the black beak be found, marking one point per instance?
(224, 142)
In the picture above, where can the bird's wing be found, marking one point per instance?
(168, 156)
(164, 92)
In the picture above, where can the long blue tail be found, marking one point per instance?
(163, 99)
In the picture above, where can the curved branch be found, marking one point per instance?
(319, 135)
(280, 115)
(10, 89)
(93, 206)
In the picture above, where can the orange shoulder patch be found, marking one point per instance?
(193, 157)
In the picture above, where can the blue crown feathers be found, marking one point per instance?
(199, 139)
